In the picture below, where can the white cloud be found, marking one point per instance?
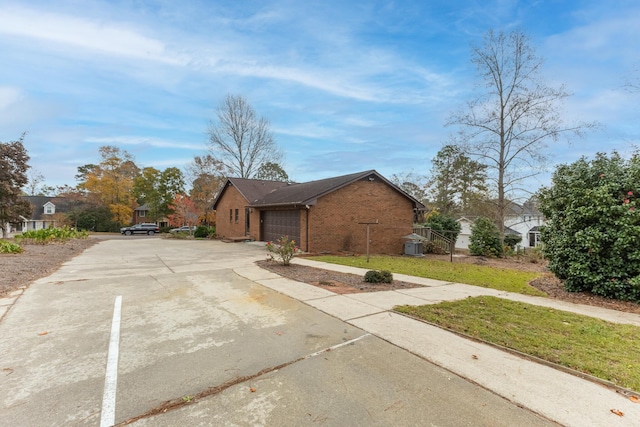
(9, 96)
(84, 33)
(146, 141)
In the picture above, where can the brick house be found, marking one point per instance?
(327, 215)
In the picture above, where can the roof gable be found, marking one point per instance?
(260, 193)
(251, 189)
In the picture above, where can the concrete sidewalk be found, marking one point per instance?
(557, 395)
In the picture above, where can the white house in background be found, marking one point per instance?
(42, 213)
(524, 220)
(462, 242)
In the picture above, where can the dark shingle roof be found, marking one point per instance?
(271, 193)
(38, 202)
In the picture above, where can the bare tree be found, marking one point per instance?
(507, 127)
(240, 140)
(35, 179)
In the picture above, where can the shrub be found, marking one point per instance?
(378, 276)
(444, 224)
(511, 240)
(485, 238)
(7, 247)
(201, 231)
(282, 250)
(435, 247)
(593, 226)
(54, 234)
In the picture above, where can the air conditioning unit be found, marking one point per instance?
(413, 249)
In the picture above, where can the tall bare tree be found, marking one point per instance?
(241, 140)
(35, 180)
(508, 125)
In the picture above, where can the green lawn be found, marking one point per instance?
(593, 346)
(487, 277)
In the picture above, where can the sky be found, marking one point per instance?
(347, 86)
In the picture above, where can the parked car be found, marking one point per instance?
(144, 228)
(184, 229)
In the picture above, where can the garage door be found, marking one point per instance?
(276, 224)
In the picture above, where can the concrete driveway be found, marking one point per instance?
(195, 342)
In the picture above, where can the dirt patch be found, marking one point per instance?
(36, 261)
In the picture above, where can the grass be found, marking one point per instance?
(488, 277)
(605, 350)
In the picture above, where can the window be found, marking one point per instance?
(142, 214)
(230, 215)
(237, 216)
(49, 208)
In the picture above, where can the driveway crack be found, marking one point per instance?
(173, 404)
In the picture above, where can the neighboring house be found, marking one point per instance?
(328, 215)
(42, 215)
(524, 220)
(462, 242)
(141, 214)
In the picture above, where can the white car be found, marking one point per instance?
(184, 229)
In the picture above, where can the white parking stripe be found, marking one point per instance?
(108, 415)
(334, 347)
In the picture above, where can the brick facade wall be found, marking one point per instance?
(334, 220)
(333, 223)
(232, 201)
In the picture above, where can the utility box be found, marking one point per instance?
(413, 249)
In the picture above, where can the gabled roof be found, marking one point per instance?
(261, 194)
(251, 189)
(38, 202)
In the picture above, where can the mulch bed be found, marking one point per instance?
(339, 283)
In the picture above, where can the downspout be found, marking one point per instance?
(307, 230)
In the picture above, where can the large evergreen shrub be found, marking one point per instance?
(592, 234)
(485, 238)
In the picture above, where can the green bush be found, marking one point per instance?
(592, 234)
(202, 231)
(511, 240)
(54, 234)
(485, 238)
(378, 276)
(7, 247)
(444, 224)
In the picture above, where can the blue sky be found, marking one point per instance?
(347, 85)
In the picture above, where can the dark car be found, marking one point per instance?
(144, 228)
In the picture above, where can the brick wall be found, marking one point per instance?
(232, 200)
(333, 221)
